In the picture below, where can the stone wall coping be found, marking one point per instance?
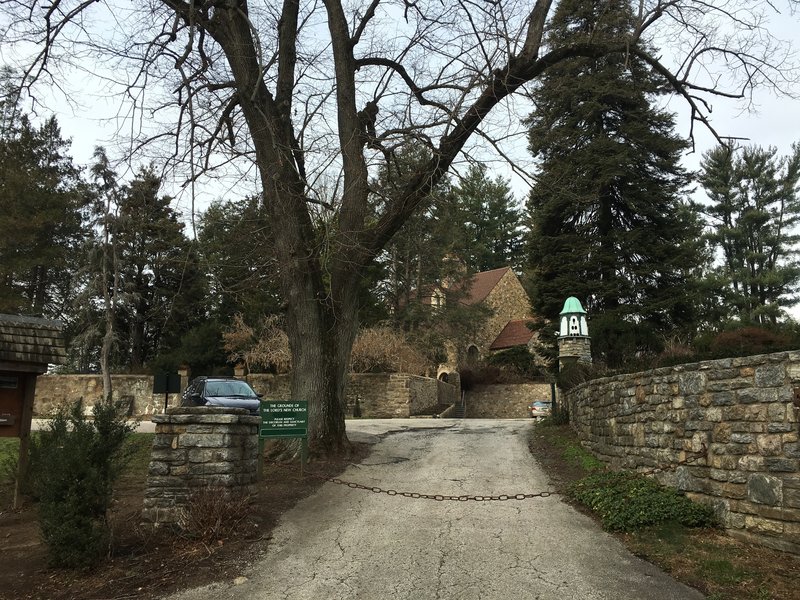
(206, 414)
(705, 365)
(142, 376)
(393, 375)
(516, 385)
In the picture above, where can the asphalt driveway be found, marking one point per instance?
(344, 543)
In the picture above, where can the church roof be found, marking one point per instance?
(31, 340)
(515, 333)
(481, 284)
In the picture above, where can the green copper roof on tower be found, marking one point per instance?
(572, 306)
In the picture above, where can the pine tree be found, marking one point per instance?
(415, 261)
(754, 212)
(608, 221)
(164, 289)
(488, 221)
(41, 221)
(234, 241)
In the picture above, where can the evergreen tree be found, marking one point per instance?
(416, 273)
(488, 222)
(416, 260)
(41, 222)
(608, 221)
(234, 241)
(754, 211)
(164, 288)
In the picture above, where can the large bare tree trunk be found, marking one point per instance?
(321, 320)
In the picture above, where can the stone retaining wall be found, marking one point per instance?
(199, 450)
(380, 395)
(393, 395)
(504, 401)
(273, 387)
(734, 420)
(446, 392)
(133, 391)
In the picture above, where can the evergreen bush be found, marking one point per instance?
(573, 374)
(73, 466)
(518, 360)
(628, 501)
(748, 341)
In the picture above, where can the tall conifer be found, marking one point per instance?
(608, 219)
(753, 216)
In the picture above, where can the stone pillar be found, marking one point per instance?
(240, 371)
(195, 449)
(185, 374)
(575, 349)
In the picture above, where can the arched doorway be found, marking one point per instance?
(473, 355)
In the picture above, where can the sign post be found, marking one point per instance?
(166, 383)
(284, 419)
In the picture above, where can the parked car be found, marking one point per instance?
(539, 409)
(221, 391)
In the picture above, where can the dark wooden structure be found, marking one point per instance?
(28, 345)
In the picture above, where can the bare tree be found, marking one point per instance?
(303, 90)
(105, 180)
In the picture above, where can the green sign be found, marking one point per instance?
(284, 419)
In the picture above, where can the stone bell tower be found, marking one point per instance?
(574, 344)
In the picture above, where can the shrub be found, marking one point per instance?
(629, 501)
(73, 466)
(747, 341)
(262, 347)
(518, 360)
(559, 414)
(574, 374)
(385, 350)
(212, 514)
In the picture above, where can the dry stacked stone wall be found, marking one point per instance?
(133, 392)
(504, 401)
(392, 395)
(197, 450)
(380, 395)
(727, 429)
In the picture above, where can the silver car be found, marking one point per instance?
(540, 409)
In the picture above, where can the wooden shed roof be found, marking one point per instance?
(31, 340)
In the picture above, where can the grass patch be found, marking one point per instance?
(138, 447)
(578, 456)
(723, 572)
(564, 439)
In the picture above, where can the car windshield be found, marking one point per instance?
(228, 388)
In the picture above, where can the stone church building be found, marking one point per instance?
(500, 291)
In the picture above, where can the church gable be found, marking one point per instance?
(501, 291)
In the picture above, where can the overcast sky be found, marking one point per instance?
(770, 121)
